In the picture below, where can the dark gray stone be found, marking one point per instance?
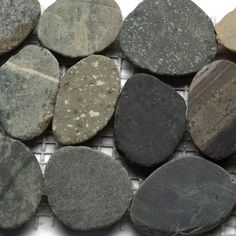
(2, 131)
(86, 99)
(149, 120)
(86, 189)
(187, 196)
(21, 183)
(18, 19)
(80, 28)
(28, 88)
(169, 37)
(212, 109)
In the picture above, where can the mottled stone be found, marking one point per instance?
(86, 99)
(21, 183)
(187, 196)
(18, 19)
(149, 120)
(2, 131)
(86, 189)
(80, 28)
(28, 88)
(212, 109)
(169, 37)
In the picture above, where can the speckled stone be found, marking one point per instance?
(226, 31)
(2, 131)
(21, 183)
(149, 120)
(93, 194)
(80, 28)
(18, 19)
(28, 88)
(187, 196)
(212, 109)
(169, 37)
(86, 99)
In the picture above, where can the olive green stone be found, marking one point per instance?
(78, 28)
(86, 99)
(28, 88)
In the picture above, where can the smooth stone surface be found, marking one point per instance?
(21, 184)
(86, 99)
(28, 88)
(149, 120)
(226, 31)
(80, 28)
(86, 189)
(212, 109)
(169, 37)
(18, 19)
(187, 196)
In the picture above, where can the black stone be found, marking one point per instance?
(86, 189)
(187, 196)
(169, 37)
(149, 120)
(21, 183)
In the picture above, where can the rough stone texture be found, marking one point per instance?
(93, 194)
(212, 109)
(21, 183)
(169, 37)
(2, 131)
(86, 99)
(80, 28)
(18, 19)
(188, 196)
(149, 121)
(226, 31)
(28, 88)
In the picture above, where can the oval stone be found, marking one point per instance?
(18, 19)
(212, 109)
(86, 189)
(21, 184)
(80, 28)
(187, 196)
(86, 99)
(150, 120)
(28, 87)
(169, 37)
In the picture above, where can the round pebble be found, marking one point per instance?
(187, 196)
(21, 184)
(28, 88)
(86, 99)
(149, 120)
(18, 19)
(80, 28)
(212, 109)
(86, 189)
(169, 37)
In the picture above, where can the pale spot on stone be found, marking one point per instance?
(95, 64)
(94, 113)
(69, 125)
(87, 125)
(68, 110)
(100, 83)
(83, 116)
(66, 102)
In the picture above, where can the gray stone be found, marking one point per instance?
(86, 189)
(28, 88)
(21, 184)
(86, 99)
(169, 37)
(18, 19)
(2, 131)
(80, 28)
(187, 196)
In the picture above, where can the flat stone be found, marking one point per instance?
(18, 19)
(86, 99)
(226, 32)
(86, 189)
(149, 120)
(21, 184)
(28, 89)
(212, 109)
(187, 196)
(169, 37)
(80, 28)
